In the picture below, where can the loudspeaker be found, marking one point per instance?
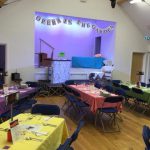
(113, 3)
(15, 76)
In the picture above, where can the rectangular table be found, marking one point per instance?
(23, 93)
(145, 96)
(55, 136)
(91, 95)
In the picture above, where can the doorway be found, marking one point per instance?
(2, 63)
(137, 65)
(98, 45)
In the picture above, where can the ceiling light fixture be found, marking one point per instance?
(113, 3)
(139, 1)
(135, 1)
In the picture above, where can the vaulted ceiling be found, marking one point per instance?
(138, 12)
(2, 2)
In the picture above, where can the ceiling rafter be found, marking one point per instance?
(119, 2)
(2, 2)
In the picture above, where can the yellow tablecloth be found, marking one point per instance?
(56, 135)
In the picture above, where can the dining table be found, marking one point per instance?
(34, 132)
(23, 93)
(95, 97)
(146, 91)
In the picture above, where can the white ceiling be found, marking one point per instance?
(140, 14)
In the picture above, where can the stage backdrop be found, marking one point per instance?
(72, 35)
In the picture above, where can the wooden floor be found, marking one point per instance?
(91, 138)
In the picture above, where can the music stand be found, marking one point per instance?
(10, 99)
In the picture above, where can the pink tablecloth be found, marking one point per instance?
(22, 94)
(92, 96)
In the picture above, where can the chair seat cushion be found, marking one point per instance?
(108, 110)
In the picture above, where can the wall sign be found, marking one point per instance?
(147, 37)
(56, 21)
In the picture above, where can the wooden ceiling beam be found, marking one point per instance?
(119, 2)
(2, 2)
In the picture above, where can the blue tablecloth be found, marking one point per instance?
(87, 62)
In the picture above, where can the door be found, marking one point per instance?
(137, 65)
(2, 62)
(98, 45)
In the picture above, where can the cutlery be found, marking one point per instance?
(35, 139)
(39, 133)
(4, 129)
(48, 124)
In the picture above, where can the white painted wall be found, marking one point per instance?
(17, 30)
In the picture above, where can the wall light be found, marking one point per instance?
(136, 1)
(139, 1)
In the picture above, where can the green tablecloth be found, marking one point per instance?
(145, 96)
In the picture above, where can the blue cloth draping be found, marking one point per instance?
(87, 62)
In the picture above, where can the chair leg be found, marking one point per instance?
(66, 102)
(101, 120)
(119, 117)
(96, 116)
(116, 122)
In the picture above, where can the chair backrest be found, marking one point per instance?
(126, 88)
(74, 136)
(138, 91)
(69, 90)
(148, 85)
(113, 99)
(11, 98)
(76, 93)
(45, 109)
(116, 81)
(116, 84)
(120, 92)
(69, 82)
(64, 87)
(66, 145)
(143, 84)
(146, 136)
(43, 85)
(109, 88)
(98, 85)
(32, 84)
(92, 76)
